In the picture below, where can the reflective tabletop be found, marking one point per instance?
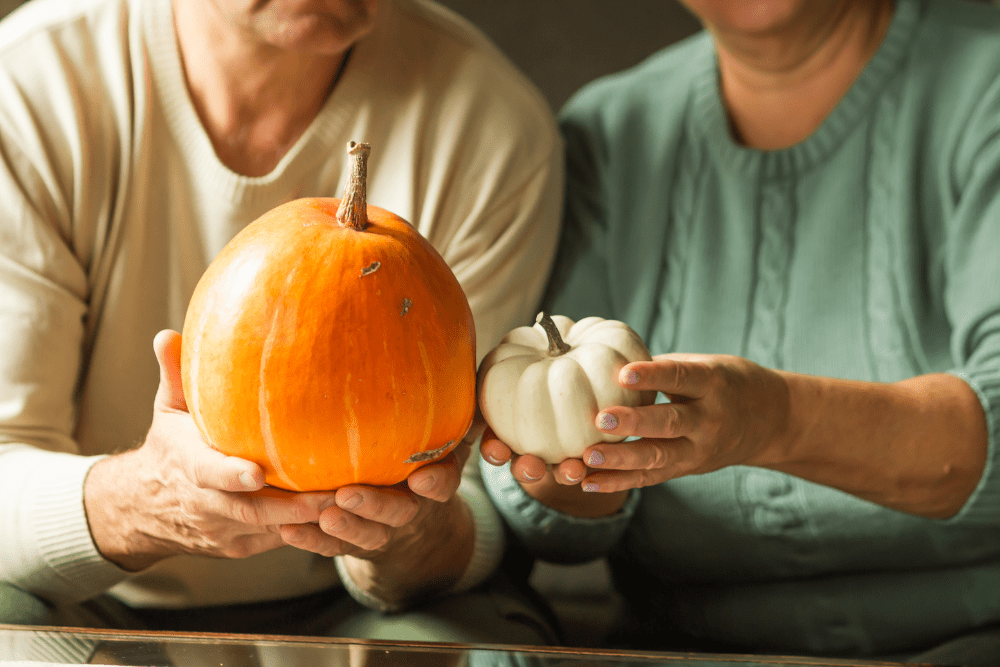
(69, 646)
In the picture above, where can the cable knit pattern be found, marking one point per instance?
(774, 249)
(682, 216)
(890, 346)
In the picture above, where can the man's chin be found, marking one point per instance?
(314, 33)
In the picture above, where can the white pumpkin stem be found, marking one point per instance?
(353, 211)
(557, 346)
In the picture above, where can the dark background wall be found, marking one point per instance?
(563, 44)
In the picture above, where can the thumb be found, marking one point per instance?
(170, 393)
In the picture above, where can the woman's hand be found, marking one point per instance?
(724, 411)
(176, 495)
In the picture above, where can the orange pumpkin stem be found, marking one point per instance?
(353, 211)
(557, 346)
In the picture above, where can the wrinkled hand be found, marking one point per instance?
(403, 540)
(177, 495)
(371, 521)
(724, 411)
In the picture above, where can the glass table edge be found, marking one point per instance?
(568, 652)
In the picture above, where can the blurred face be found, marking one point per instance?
(761, 17)
(326, 27)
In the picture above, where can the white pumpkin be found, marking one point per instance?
(541, 387)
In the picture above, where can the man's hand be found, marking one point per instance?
(399, 541)
(176, 495)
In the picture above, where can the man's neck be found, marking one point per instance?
(778, 87)
(254, 100)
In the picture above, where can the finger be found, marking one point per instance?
(686, 356)
(675, 457)
(493, 450)
(386, 505)
(660, 420)
(528, 469)
(569, 472)
(362, 533)
(211, 469)
(674, 375)
(252, 544)
(437, 481)
(264, 510)
(309, 537)
(611, 481)
(167, 348)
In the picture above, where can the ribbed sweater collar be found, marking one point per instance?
(712, 122)
(313, 146)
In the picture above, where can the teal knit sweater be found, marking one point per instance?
(869, 251)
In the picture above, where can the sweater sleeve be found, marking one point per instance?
(972, 296)
(46, 547)
(548, 533)
(59, 162)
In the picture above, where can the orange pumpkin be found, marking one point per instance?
(330, 343)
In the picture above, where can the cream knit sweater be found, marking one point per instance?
(113, 204)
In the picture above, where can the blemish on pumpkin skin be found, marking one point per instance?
(406, 307)
(430, 455)
(370, 269)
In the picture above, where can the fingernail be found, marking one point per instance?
(573, 479)
(590, 487)
(595, 459)
(631, 377)
(607, 421)
(492, 459)
(247, 480)
(531, 478)
(352, 502)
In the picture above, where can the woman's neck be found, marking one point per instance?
(254, 100)
(779, 86)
